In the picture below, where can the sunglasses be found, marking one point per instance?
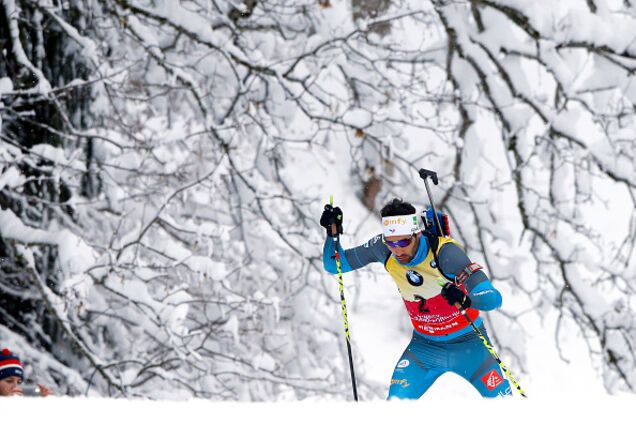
(398, 243)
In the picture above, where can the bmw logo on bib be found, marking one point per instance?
(414, 278)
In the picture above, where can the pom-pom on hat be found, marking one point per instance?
(10, 365)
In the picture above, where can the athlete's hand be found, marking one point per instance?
(455, 296)
(331, 219)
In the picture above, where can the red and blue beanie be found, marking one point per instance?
(10, 365)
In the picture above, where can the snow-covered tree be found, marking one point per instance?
(546, 98)
(164, 164)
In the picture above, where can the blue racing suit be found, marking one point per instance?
(443, 340)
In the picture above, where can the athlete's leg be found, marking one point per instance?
(414, 372)
(488, 379)
(471, 360)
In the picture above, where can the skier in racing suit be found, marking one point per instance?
(443, 339)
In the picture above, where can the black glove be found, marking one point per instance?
(454, 294)
(331, 216)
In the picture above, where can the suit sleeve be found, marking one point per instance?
(357, 257)
(483, 295)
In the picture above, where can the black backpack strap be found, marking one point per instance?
(433, 244)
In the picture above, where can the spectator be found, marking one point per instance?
(12, 375)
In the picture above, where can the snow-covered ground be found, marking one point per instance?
(563, 408)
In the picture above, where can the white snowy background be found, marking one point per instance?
(163, 166)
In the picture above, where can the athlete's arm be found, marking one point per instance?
(483, 295)
(351, 259)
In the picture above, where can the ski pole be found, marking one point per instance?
(425, 174)
(491, 350)
(334, 236)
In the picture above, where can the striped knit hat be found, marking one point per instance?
(10, 365)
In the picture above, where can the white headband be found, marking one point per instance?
(402, 225)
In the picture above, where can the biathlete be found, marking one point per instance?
(443, 339)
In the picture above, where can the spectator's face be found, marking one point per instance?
(10, 386)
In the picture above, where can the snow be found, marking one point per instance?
(562, 408)
(89, 49)
(11, 10)
(148, 38)
(11, 178)
(6, 85)
(358, 118)
(13, 228)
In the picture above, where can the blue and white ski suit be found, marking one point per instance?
(443, 340)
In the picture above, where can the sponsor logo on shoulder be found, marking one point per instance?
(373, 241)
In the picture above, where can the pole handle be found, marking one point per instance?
(334, 228)
(426, 173)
